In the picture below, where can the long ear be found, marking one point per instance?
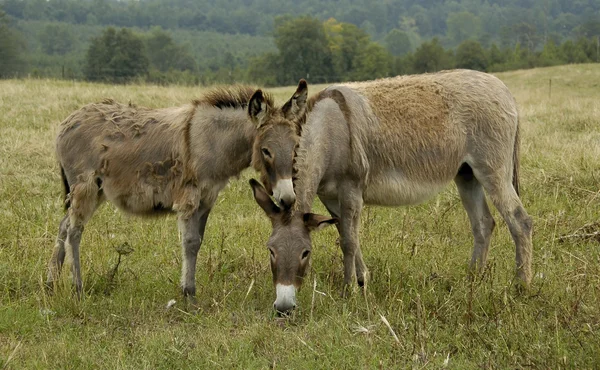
(316, 222)
(294, 107)
(264, 200)
(258, 108)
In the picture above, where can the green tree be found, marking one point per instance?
(573, 53)
(463, 26)
(374, 61)
(57, 39)
(550, 55)
(397, 42)
(346, 43)
(526, 35)
(423, 23)
(496, 56)
(10, 50)
(164, 54)
(431, 57)
(264, 69)
(116, 56)
(303, 50)
(590, 28)
(470, 54)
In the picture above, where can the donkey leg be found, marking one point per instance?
(482, 222)
(72, 243)
(58, 254)
(351, 204)
(192, 231)
(506, 200)
(86, 196)
(362, 273)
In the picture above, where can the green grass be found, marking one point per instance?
(417, 258)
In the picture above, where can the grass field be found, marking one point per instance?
(417, 258)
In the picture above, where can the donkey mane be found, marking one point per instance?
(230, 97)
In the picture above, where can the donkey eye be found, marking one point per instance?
(305, 254)
(266, 152)
(272, 253)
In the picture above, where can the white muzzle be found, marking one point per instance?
(283, 192)
(286, 298)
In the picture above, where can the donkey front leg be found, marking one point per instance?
(362, 273)
(192, 232)
(73, 242)
(351, 203)
(58, 253)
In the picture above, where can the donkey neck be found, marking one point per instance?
(311, 162)
(220, 142)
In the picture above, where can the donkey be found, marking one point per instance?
(395, 141)
(152, 162)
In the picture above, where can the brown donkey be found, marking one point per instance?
(395, 141)
(151, 162)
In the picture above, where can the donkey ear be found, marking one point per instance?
(258, 108)
(263, 199)
(294, 107)
(316, 222)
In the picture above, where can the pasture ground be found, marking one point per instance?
(417, 258)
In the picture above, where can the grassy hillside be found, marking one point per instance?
(417, 257)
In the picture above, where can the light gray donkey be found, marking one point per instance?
(394, 141)
(150, 162)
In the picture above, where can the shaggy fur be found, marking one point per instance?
(152, 161)
(401, 140)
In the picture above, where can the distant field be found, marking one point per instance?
(417, 258)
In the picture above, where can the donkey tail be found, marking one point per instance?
(66, 188)
(516, 166)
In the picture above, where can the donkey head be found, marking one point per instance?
(276, 142)
(289, 246)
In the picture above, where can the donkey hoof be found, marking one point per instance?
(361, 279)
(190, 300)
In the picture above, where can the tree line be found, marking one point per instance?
(449, 21)
(302, 47)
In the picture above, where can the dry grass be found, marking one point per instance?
(417, 257)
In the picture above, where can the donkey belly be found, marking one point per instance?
(138, 198)
(394, 189)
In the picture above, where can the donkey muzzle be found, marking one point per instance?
(286, 298)
(283, 192)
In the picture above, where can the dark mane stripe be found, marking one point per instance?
(327, 93)
(230, 97)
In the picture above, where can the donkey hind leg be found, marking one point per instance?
(350, 207)
(362, 273)
(86, 196)
(504, 197)
(58, 253)
(192, 231)
(482, 222)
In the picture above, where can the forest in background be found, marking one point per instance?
(276, 42)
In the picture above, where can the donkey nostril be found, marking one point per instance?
(284, 310)
(287, 202)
